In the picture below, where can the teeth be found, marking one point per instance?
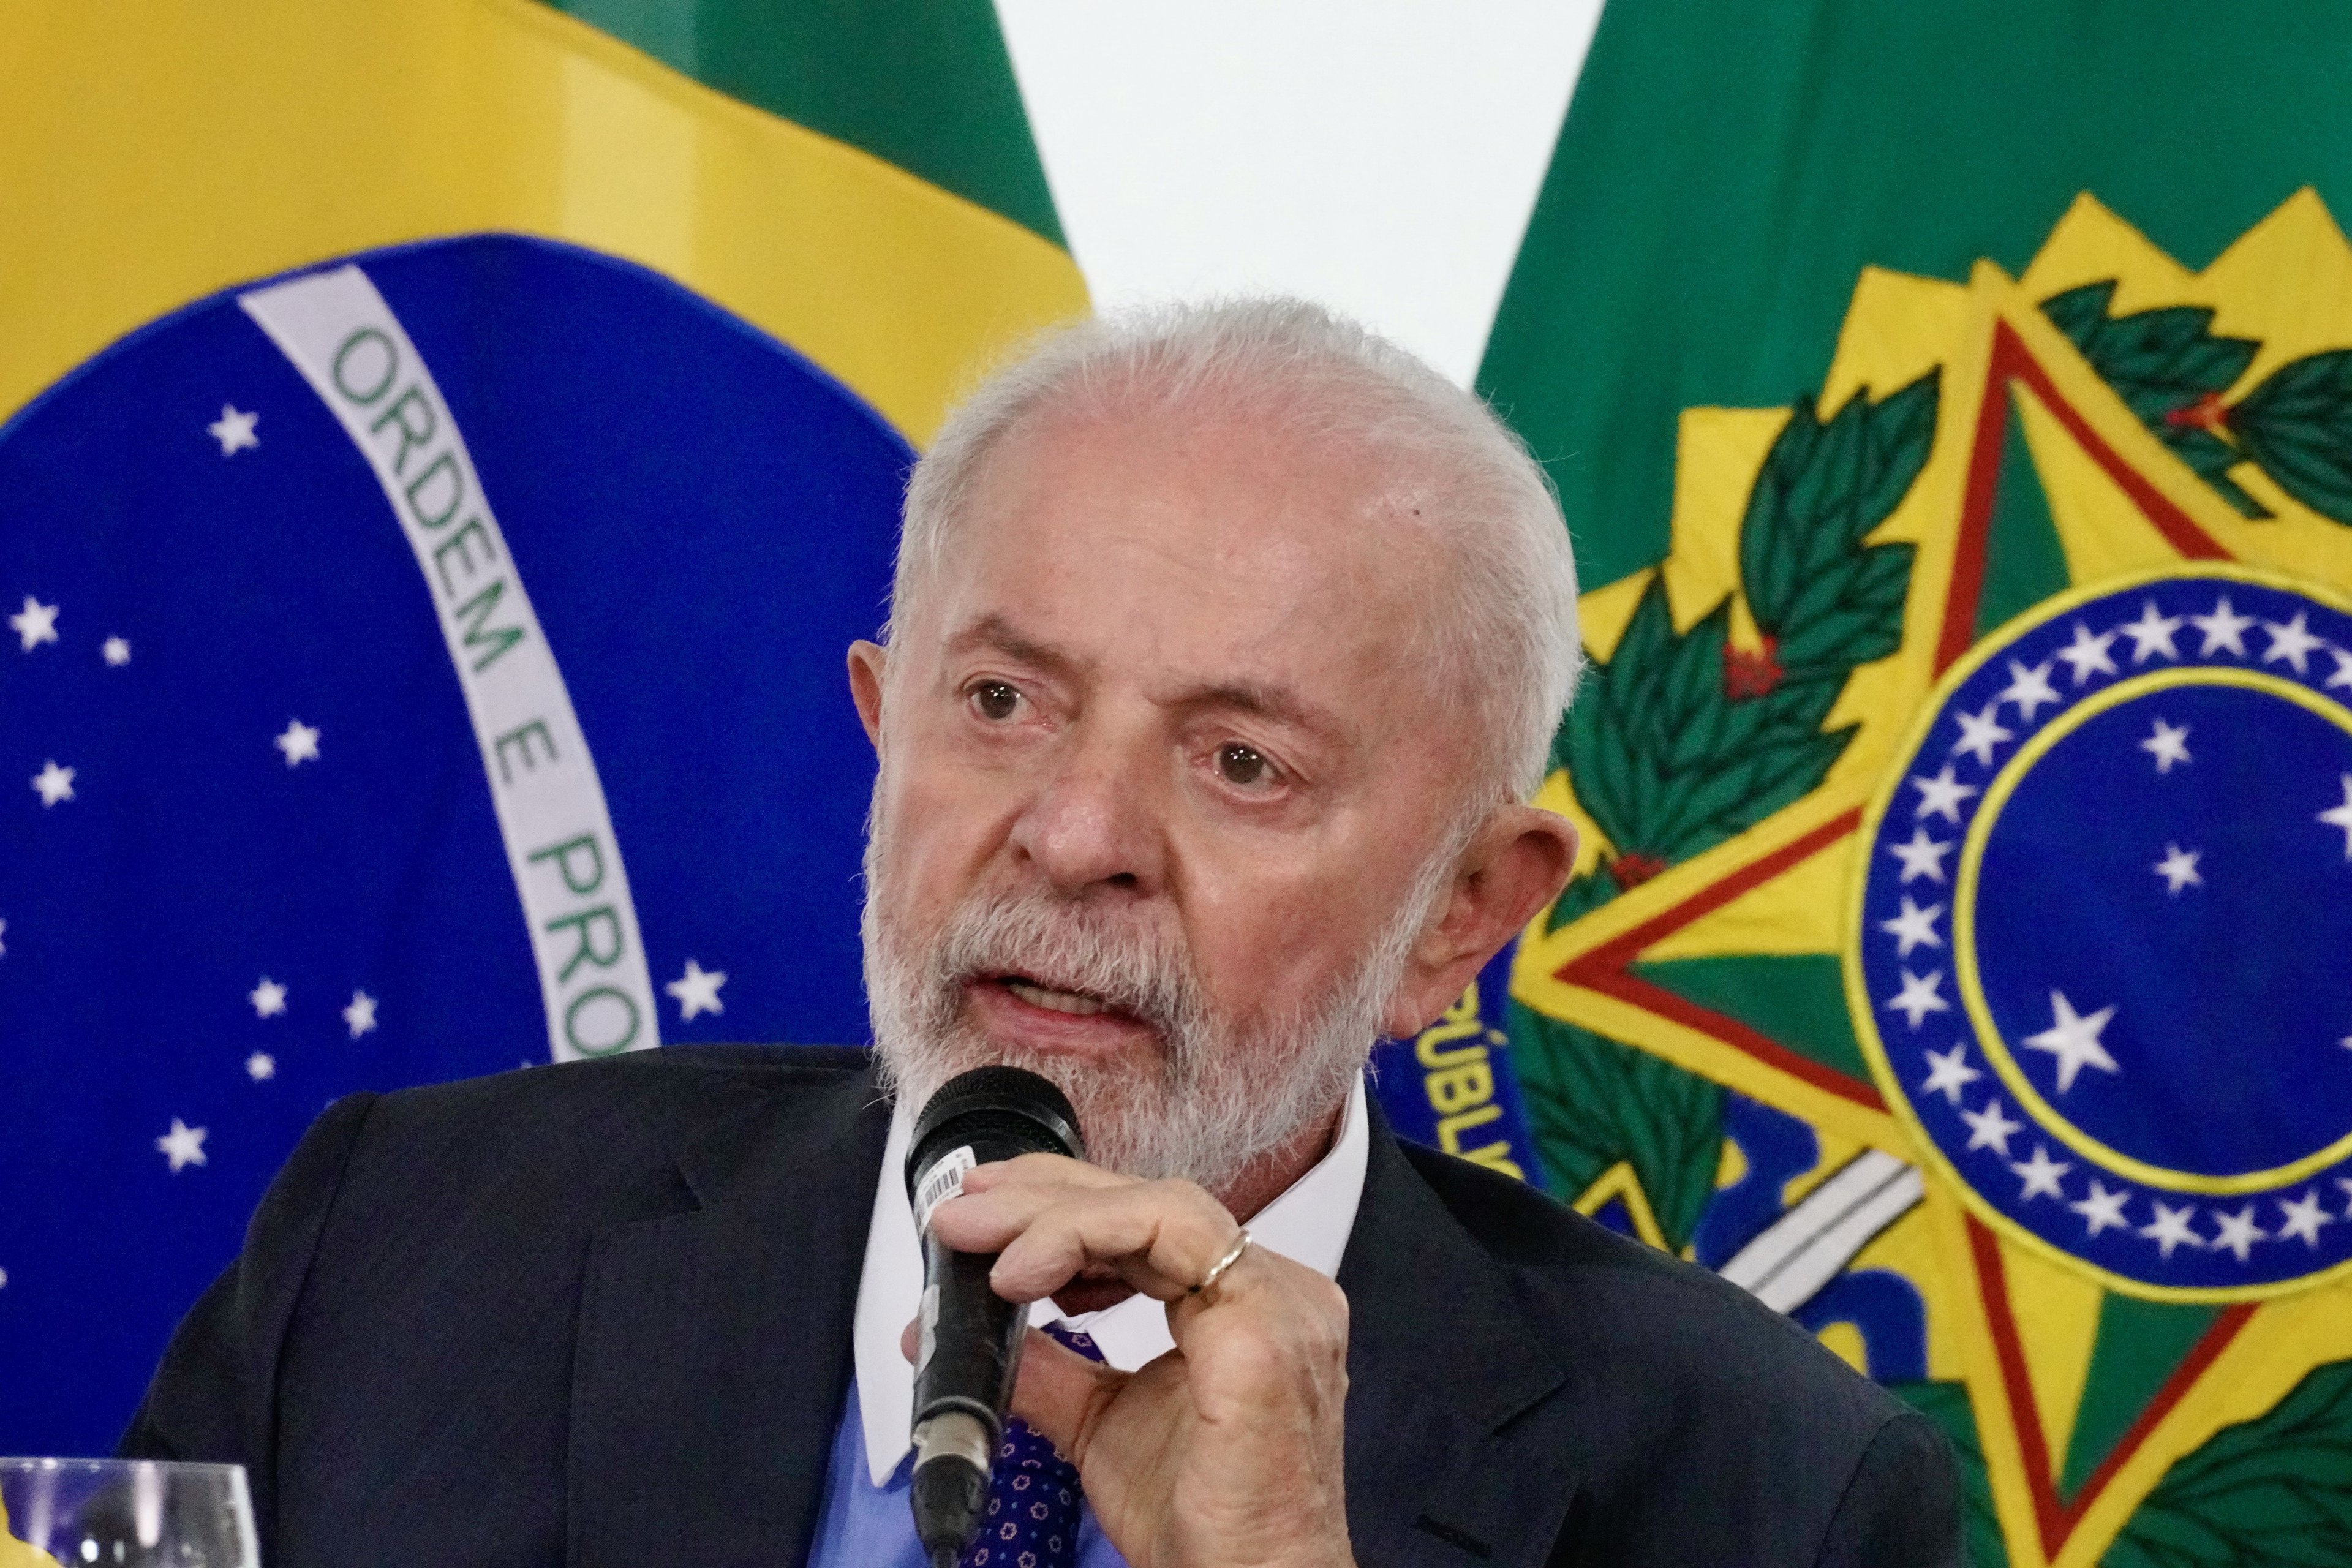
(1057, 1001)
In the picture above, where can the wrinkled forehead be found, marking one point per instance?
(1253, 528)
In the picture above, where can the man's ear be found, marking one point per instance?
(1516, 866)
(865, 661)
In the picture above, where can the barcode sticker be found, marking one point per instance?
(940, 1182)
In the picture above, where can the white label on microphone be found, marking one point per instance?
(928, 1339)
(943, 1181)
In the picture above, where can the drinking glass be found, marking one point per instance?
(124, 1513)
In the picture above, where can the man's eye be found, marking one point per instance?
(995, 700)
(1243, 766)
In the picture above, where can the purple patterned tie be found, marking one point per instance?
(1032, 1497)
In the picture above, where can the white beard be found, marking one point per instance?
(1219, 1094)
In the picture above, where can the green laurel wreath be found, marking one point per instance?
(1681, 740)
(2170, 370)
(2274, 1489)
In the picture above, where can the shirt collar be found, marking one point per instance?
(1308, 1223)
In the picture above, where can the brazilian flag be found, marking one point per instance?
(447, 447)
(1954, 409)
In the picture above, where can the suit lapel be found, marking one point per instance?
(714, 1346)
(1440, 1361)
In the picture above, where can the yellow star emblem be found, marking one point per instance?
(1982, 456)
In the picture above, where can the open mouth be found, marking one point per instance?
(1055, 1001)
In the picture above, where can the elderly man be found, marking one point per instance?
(1225, 647)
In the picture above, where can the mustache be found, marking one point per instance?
(1141, 968)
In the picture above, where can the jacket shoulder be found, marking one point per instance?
(570, 1147)
(646, 1094)
(666, 1075)
(1689, 1411)
(1612, 1293)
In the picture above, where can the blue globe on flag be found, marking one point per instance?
(423, 666)
(2105, 802)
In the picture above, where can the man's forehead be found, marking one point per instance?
(1232, 490)
(1223, 558)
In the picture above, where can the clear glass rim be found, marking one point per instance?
(194, 1482)
(61, 1462)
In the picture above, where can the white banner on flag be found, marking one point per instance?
(343, 338)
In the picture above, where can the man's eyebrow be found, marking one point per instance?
(1265, 698)
(994, 631)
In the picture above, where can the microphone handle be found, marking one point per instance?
(970, 1339)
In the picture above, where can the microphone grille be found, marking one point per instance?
(1010, 1103)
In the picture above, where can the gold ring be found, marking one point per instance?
(1217, 1269)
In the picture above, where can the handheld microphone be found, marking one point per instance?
(970, 1338)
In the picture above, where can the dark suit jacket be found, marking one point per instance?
(600, 1315)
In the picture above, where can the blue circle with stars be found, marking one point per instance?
(250, 855)
(2104, 917)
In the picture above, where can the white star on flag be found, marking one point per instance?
(2041, 1175)
(2087, 656)
(359, 1015)
(269, 998)
(35, 624)
(300, 743)
(2029, 688)
(2171, 1227)
(2237, 1233)
(2224, 629)
(1948, 1073)
(1915, 927)
(3, 951)
(1981, 733)
(234, 430)
(56, 784)
(1922, 856)
(182, 1145)
(2168, 743)
(2178, 868)
(2073, 1039)
(2303, 1218)
(260, 1065)
(2104, 1210)
(2340, 817)
(2292, 642)
(697, 991)
(115, 650)
(1919, 996)
(1941, 795)
(1991, 1128)
(2151, 634)
(2343, 676)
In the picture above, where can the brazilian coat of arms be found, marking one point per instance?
(1961, 954)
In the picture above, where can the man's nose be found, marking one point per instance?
(1096, 820)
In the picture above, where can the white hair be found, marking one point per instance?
(1503, 631)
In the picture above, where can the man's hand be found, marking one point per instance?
(1227, 1450)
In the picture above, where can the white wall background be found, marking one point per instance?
(1382, 158)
